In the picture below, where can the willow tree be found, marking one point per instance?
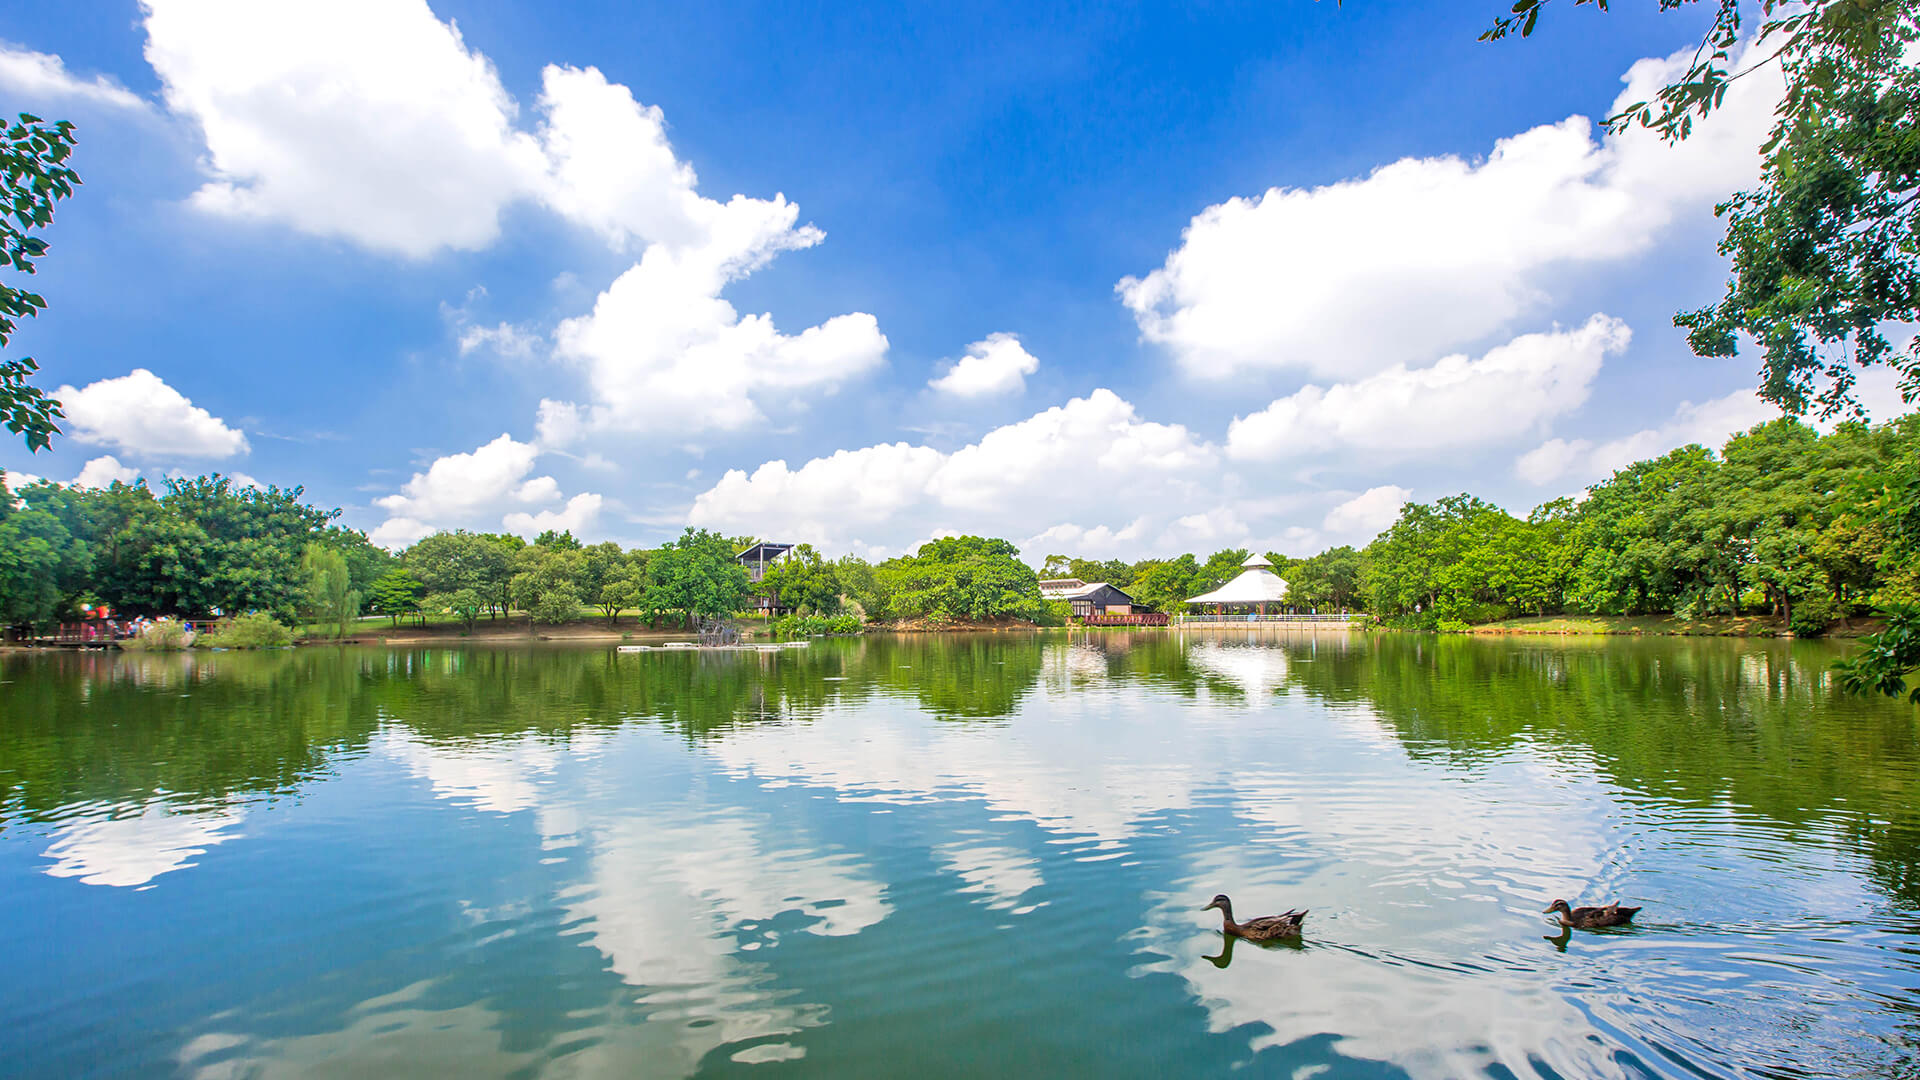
(330, 591)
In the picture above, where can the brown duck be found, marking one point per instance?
(1591, 918)
(1264, 928)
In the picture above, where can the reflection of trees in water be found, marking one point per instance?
(972, 676)
(200, 727)
(1699, 723)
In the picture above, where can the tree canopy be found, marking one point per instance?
(33, 177)
(1826, 250)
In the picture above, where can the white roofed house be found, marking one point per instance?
(1251, 592)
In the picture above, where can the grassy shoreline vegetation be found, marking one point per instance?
(1784, 529)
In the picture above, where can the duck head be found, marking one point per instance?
(1221, 902)
(1559, 906)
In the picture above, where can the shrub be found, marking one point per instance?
(802, 626)
(1054, 613)
(1453, 626)
(255, 630)
(1811, 616)
(161, 635)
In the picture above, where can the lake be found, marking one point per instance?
(954, 856)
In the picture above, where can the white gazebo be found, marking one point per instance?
(1253, 588)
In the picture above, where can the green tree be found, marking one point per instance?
(43, 564)
(860, 587)
(547, 582)
(1886, 660)
(697, 575)
(330, 591)
(962, 577)
(1826, 250)
(625, 588)
(448, 563)
(607, 579)
(1165, 584)
(466, 603)
(33, 176)
(803, 582)
(1220, 568)
(397, 593)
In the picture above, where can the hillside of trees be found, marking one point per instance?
(1782, 520)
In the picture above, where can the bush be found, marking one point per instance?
(255, 630)
(804, 626)
(1054, 613)
(1811, 616)
(1453, 626)
(161, 635)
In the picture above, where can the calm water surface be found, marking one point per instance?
(957, 856)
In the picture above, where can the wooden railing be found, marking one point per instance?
(1205, 619)
(1145, 618)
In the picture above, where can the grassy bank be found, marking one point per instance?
(447, 630)
(1709, 626)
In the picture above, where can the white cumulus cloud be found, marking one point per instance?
(476, 489)
(577, 516)
(1079, 462)
(458, 485)
(1427, 254)
(372, 121)
(997, 365)
(664, 353)
(38, 76)
(103, 471)
(1708, 423)
(367, 120)
(1457, 402)
(140, 414)
(1367, 513)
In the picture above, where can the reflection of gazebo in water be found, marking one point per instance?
(1249, 593)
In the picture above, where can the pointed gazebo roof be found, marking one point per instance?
(1255, 584)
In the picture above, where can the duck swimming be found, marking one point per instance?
(1591, 918)
(1264, 928)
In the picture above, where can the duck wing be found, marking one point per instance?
(1273, 926)
(1611, 915)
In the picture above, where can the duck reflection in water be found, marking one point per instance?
(1226, 948)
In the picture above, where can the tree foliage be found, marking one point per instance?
(961, 577)
(697, 575)
(804, 583)
(1826, 250)
(397, 593)
(203, 546)
(34, 175)
(547, 582)
(330, 592)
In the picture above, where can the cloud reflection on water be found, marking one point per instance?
(676, 900)
(130, 845)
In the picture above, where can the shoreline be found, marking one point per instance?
(587, 632)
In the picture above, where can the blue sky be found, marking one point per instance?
(1228, 274)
